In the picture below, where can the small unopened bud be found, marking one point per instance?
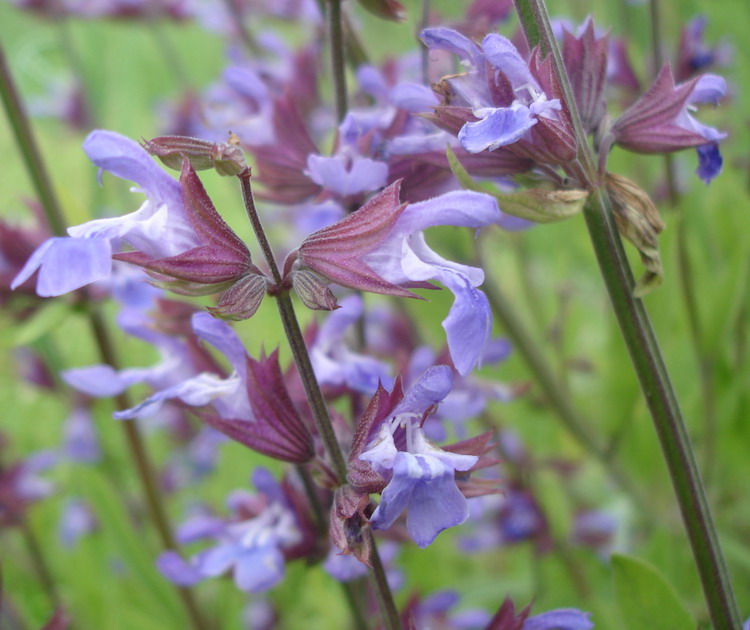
(312, 289)
(226, 158)
(639, 222)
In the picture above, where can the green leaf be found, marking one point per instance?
(156, 596)
(539, 204)
(646, 599)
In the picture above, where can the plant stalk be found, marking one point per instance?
(245, 35)
(39, 561)
(314, 396)
(320, 523)
(701, 351)
(554, 392)
(644, 350)
(338, 62)
(19, 123)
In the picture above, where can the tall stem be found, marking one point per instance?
(556, 395)
(146, 473)
(315, 396)
(40, 563)
(320, 523)
(245, 35)
(424, 52)
(702, 353)
(19, 123)
(645, 354)
(338, 63)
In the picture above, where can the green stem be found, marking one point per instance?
(338, 63)
(245, 35)
(35, 166)
(686, 277)
(529, 350)
(19, 123)
(701, 351)
(169, 53)
(424, 52)
(645, 354)
(314, 396)
(320, 523)
(40, 563)
(76, 65)
(143, 465)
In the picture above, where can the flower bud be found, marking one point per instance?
(226, 158)
(313, 290)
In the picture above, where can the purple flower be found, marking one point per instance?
(381, 248)
(81, 442)
(660, 121)
(220, 263)
(503, 100)
(694, 55)
(253, 549)
(76, 521)
(335, 364)
(422, 476)
(559, 619)
(177, 376)
(158, 228)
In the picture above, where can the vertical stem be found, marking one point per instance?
(645, 354)
(336, 34)
(245, 35)
(424, 52)
(321, 528)
(702, 353)
(700, 350)
(553, 391)
(315, 396)
(383, 590)
(19, 123)
(74, 61)
(38, 560)
(144, 467)
(168, 52)
(657, 50)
